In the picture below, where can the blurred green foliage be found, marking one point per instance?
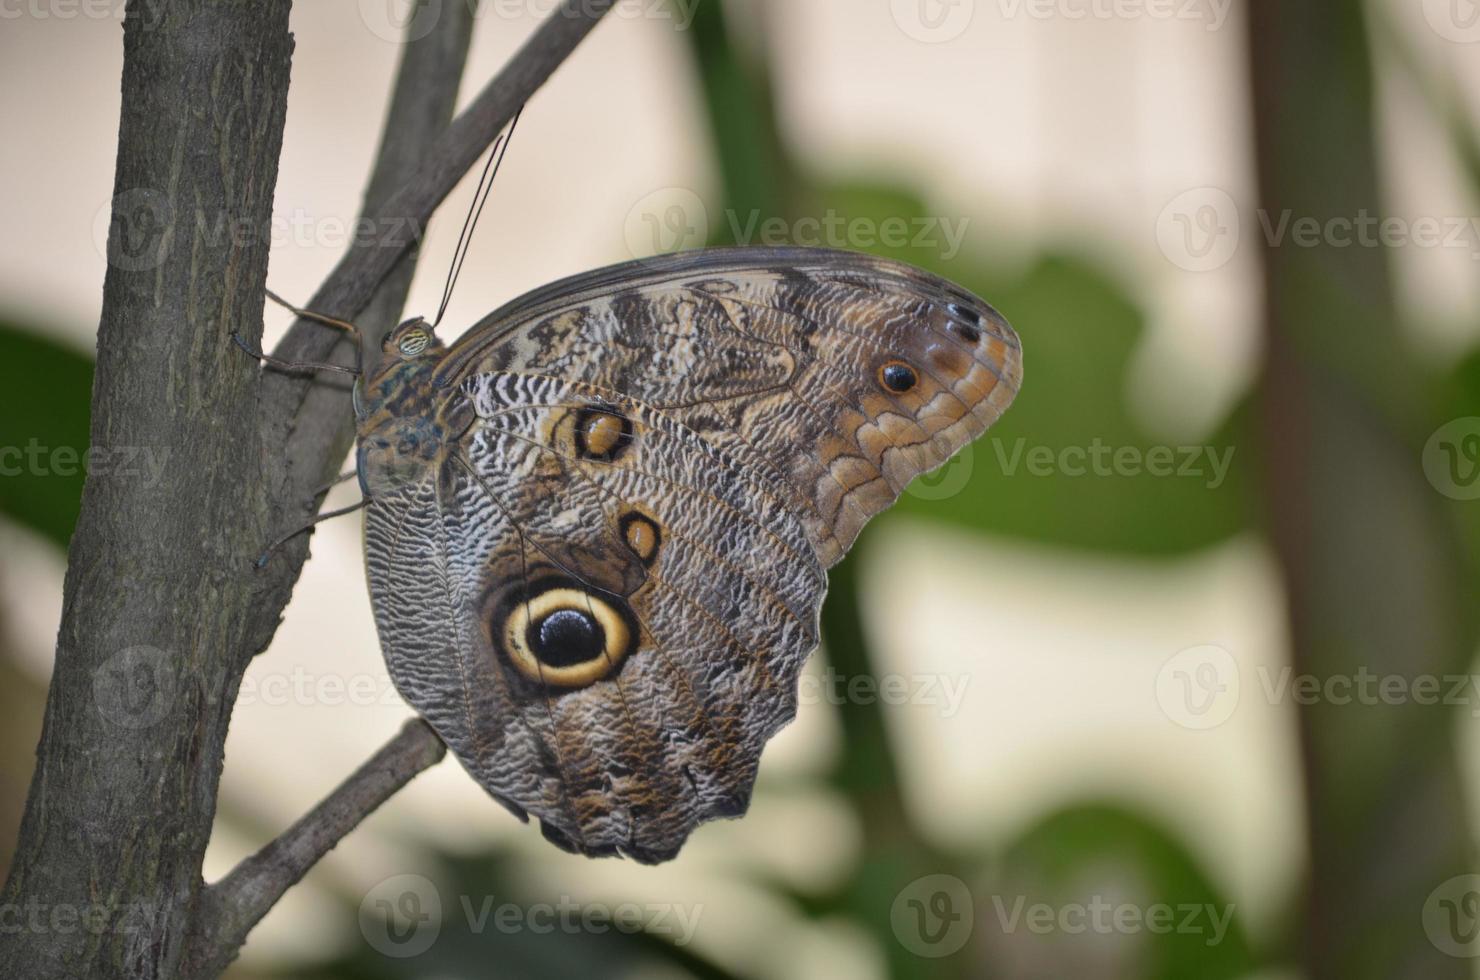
(45, 391)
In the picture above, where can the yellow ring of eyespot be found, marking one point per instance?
(516, 634)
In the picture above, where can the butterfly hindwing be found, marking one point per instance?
(601, 588)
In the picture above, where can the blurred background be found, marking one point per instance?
(1150, 682)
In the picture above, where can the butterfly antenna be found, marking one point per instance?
(475, 211)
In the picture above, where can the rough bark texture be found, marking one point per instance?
(1368, 554)
(158, 594)
(163, 608)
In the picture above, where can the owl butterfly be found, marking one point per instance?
(600, 523)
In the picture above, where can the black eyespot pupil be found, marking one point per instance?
(568, 637)
(899, 378)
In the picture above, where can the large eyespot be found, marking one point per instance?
(602, 434)
(898, 377)
(563, 636)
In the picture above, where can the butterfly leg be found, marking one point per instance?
(296, 367)
(263, 558)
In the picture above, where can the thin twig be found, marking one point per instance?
(229, 909)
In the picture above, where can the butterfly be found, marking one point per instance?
(598, 526)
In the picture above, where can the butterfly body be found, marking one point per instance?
(600, 522)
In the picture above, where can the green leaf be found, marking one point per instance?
(45, 394)
(1131, 887)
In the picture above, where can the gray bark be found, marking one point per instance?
(163, 608)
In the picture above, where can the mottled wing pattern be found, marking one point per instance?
(603, 596)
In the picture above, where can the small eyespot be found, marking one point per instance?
(602, 434)
(898, 377)
(642, 535)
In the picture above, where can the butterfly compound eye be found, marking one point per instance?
(413, 343)
(566, 637)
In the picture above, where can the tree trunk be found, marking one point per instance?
(158, 592)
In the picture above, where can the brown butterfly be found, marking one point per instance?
(599, 524)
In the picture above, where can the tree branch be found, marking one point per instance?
(229, 909)
(308, 422)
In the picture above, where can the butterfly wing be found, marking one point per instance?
(603, 594)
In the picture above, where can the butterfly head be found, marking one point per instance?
(412, 339)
